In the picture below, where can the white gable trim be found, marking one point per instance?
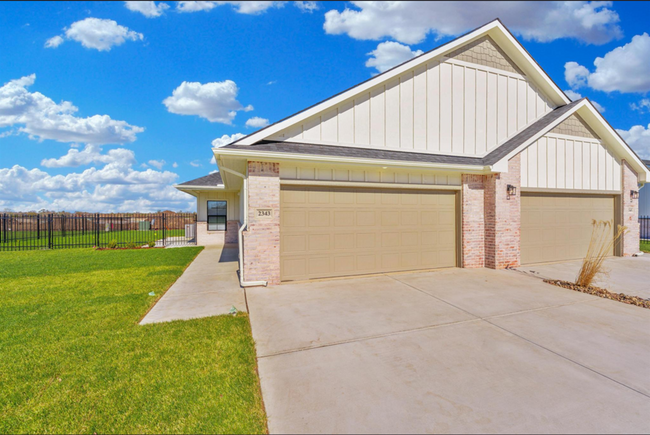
(494, 29)
(595, 120)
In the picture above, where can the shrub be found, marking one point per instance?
(602, 241)
(131, 245)
(112, 244)
(152, 244)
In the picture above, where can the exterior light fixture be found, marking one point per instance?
(512, 190)
(634, 194)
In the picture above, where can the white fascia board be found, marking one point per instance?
(502, 165)
(612, 139)
(494, 29)
(275, 157)
(536, 74)
(616, 141)
(193, 190)
(185, 186)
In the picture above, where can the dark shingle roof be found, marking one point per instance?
(514, 142)
(647, 163)
(213, 179)
(367, 153)
(354, 152)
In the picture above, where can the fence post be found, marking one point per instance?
(97, 230)
(163, 230)
(50, 238)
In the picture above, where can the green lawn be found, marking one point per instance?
(30, 239)
(73, 358)
(645, 245)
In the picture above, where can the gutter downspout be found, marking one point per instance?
(240, 235)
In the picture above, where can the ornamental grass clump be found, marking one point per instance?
(603, 239)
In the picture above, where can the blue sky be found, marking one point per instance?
(123, 148)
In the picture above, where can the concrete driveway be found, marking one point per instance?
(629, 275)
(449, 351)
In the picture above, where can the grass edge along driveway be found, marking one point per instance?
(75, 360)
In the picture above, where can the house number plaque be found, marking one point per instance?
(264, 213)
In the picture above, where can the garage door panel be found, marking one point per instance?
(361, 231)
(559, 227)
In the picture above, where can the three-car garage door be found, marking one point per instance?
(331, 231)
(559, 227)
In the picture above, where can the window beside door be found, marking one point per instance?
(217, 217)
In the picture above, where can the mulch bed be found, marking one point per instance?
(597, 291)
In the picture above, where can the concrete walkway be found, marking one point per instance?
(209, 287)
(629, 275)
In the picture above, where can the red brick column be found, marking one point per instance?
(473, 221)
(262, 236)
(630, 240)
(503, 218)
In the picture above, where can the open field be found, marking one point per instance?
(75, 360)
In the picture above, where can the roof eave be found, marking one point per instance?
(297, 157)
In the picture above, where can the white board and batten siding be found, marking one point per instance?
(451, 107)
(305, 172)
(564, 162)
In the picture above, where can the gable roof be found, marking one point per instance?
(211, 180)
(494, 29)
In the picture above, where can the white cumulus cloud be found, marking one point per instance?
(114, 187)
(624, 69)
(90, 154)
(411, 21)
(638, 137)
(242, 7)
(157, 163)
(389, 54)
(54, 42)
(147, 8)
(641, 106)
(41, 118)
(99, 34)
(257, 122)
(226, 139)
(215, 101)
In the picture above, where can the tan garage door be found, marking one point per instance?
(328, 232)
(558, 227)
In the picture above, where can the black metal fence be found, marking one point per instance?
(645, 227)
(26, 231)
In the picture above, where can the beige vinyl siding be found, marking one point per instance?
(232, 198)
(328, 232)
(566, 162)
(557, 227)
(449, 106)
(368, 175)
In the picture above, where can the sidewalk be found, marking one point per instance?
(209, 287)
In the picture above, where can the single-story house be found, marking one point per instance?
(468, 155)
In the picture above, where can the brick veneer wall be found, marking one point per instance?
(217, 238)
(491, 220)
(503, 218)
(262, 236)
(630, 240)
(473, 221)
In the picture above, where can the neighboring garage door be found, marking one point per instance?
(559, 227)
(328, 232)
